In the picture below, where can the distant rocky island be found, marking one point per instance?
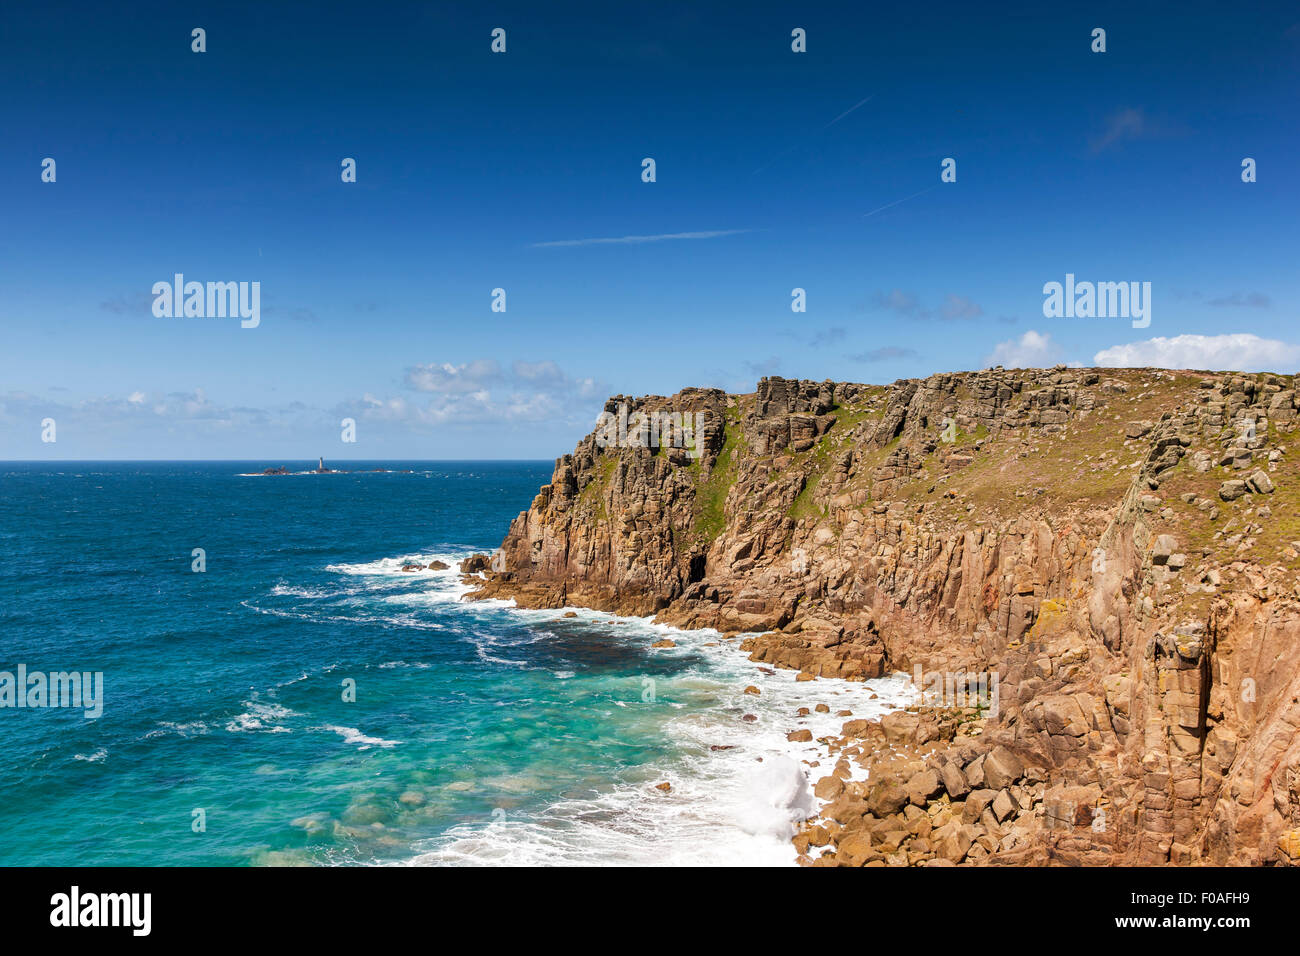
(1115, 553)
(320, 469)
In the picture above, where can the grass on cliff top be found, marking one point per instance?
(1195, 531)
(1087, 464)
(815, 461)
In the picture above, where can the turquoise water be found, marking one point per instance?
(479, 732)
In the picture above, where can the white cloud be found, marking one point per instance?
(483, 392)
(1126, 124)
(1031, 350)
(1239, 351)
(445, 378)
(138, 410)
(539, 372)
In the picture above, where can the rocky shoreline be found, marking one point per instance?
(1117, 552)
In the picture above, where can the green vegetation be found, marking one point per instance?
(592, 497)
(711, 492)
(815, 461)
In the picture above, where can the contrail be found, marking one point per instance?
(798, 146)
(846, 112)
(635, 240)
(897, 201)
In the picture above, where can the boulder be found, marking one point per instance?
(856, 728)
(828, 788)
(977, 803)
(1004, 805)
(886, 798)
(1002, 768)
(952, 842)
(1232, 489)
(1164, 546)
(1259, 482)
(855, 850)
(922, 786)
(900, 726)
(954, 781)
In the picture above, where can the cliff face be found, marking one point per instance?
(1116, 551)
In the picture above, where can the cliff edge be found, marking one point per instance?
(1115, 552)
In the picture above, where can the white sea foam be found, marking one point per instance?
(284, 590)
(738, 788)
(394, 566)
(96, 757)
(351, 735)
(260, 716)
(166, 728)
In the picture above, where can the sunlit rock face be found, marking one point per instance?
(1113, 552)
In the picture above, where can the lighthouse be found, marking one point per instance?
(322, 464)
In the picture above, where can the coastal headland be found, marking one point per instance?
(1093, 574)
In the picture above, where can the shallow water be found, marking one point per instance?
(479, 733)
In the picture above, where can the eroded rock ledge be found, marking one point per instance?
(1118, 548)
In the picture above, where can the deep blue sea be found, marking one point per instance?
(479, 733)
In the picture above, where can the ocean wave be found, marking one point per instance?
(165, 728)
(285, 590)
(351, 735)
(701, 820)
(482, 649)
(388, 566)
(260, 716)
(738, 789)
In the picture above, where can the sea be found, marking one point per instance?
(276, 690)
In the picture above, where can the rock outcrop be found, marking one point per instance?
(1115, 550)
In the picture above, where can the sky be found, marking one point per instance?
(774, 170)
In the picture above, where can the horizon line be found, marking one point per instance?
(170, 461)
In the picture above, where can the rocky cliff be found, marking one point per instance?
(1115, 551)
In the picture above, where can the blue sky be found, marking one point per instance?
(775, 170)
